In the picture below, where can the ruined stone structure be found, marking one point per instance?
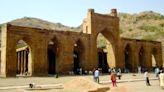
(51, 51)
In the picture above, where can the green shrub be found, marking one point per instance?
(161, 25)
(149, 28)
(153, 37)
(130, 30)
(149, 37)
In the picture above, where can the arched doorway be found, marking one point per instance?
(128, 58)
(154, 54)
(24, 59)
(105, 54)
(142, 61)
(78, 57)
(52, 55)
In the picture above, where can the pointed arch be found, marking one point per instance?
(78, 55)
(108, 34)
(128, 57)
(154, 53)
(106, 56)
(23, 56)
(142, 60)
(52, 55)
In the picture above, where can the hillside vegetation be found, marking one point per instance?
(146, 25)
(39, 23)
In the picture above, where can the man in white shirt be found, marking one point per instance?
(96, 75)
(146, 75)
(157, 71)
(161, 79)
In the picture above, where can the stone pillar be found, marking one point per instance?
(22, 62)
(39, 55)
(118, 62)
(8, 53)
(25, 62)
(148, 59)
(158, 58)
(18, 62)
(133, 61)
(65, 57)
(136, 60)
(85, 58)
(93, 63)
(30, 61)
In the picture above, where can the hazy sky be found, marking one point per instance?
(71, 12)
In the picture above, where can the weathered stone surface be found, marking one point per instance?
(64, 42)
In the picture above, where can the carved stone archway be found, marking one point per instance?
(53, 50)
(24, 57)
(110, 49)
(108, 26)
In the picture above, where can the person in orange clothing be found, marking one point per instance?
(113, 79)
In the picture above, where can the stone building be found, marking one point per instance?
(52, 51)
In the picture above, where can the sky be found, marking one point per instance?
(71, 12)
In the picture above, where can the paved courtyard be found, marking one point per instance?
(133, 82)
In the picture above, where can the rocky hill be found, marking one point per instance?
(146, 25)
(39, 23)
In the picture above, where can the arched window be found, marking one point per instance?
(23, 52)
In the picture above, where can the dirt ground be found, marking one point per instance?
(126, 84)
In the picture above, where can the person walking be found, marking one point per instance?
(161, 79)
(157, 71)
(96, 75)
(113, 79)
(146, 75)
(93, 73)
(119, 73)
(139, 69)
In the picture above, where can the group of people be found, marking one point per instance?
(113, 76)
(160, 76)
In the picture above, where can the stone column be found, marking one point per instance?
(133, 59)
(85, 58)
(30, 61)
(93, 53)
(117, 53)
(39, 55)
(22, 62)
(136, 60)
(8, 52)
(65, 57)
(148, 59)
(24, 53)
(158, 58)
(18, 62)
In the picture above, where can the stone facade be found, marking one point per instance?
(43, 44)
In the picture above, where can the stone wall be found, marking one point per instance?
(65, 42)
